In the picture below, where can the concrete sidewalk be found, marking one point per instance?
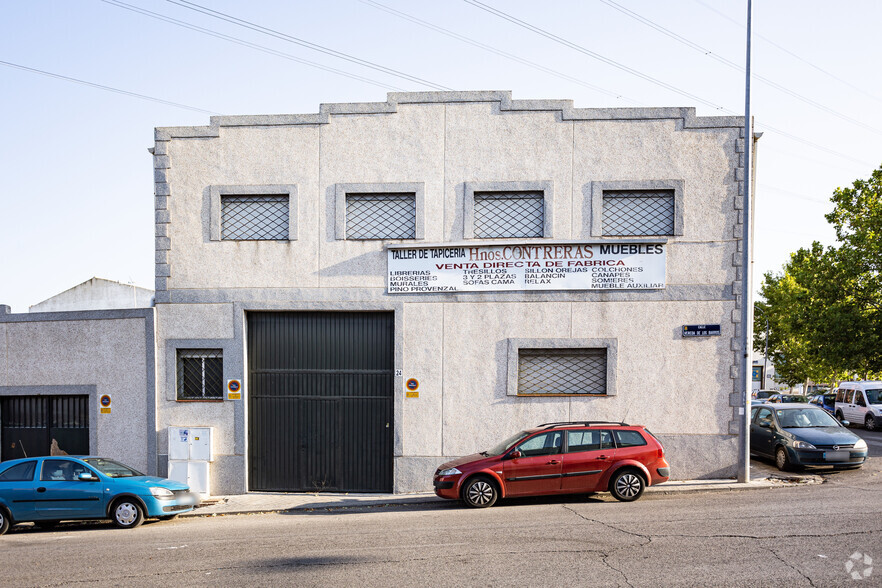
(264, 502)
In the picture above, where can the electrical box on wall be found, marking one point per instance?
(189, 455)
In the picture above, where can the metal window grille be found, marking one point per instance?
(638, 212)
(200, 374)
(509, 214)
(562, 371)
(381, 216)
(249, 218)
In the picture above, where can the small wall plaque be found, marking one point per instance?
(701, 330)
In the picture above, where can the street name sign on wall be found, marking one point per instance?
(701, 330)
(571, 266)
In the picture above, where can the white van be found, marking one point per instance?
(860, 403)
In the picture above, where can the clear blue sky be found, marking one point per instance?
(77, 198)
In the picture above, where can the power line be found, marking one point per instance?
(643, 76)
(248, 44)
(105, 88)
(589, 53)
(655, 26)
(794, 55)
(496, 51)
(309, 45)
(793, 194)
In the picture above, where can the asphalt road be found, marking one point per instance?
(873, 439)
(788, 536)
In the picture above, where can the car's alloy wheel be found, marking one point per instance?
(781, 459)
(127, 514)
(4, 522)
(480, 493)
(627, 486)
(870, 423)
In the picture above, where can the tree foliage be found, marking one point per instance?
(825, 308)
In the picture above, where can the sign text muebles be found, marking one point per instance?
(569, 266)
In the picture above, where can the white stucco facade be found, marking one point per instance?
(458, 344)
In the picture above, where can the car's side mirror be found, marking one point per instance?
(765, 424)
(515, 454)
(86, 477)
(844, 423)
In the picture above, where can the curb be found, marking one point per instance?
(667, 489)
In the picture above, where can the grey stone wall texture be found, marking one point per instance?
(457, 344)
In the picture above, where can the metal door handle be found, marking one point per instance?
(41, 489)
(552, 462)
(603, 457)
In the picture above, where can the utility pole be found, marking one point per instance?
(746, 271)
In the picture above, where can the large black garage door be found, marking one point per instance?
(320, 401)
(44, 425)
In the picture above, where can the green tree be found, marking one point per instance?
(857, 218)
(825, 308)
(795, 304)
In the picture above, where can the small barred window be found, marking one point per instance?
(200, 374)
(638, 212)
(562, 371)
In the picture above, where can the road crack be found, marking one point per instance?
(792, 567)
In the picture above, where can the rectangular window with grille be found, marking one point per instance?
(638, 212)
(509, 215)
(380, 216)
(258, 217)
(200, 374)
(562, 371)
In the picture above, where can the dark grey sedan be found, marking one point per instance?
(796, 435)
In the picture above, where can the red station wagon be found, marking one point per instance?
(558, 458)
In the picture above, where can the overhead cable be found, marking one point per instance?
(643, 76)
(496, 51)
(739, 67)
(105, 88)
(794, 55)
(589, 53)
(249, 44)
(303, 43)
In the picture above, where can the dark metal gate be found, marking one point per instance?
(320, 401)
(31, 426)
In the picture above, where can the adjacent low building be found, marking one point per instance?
(78, 382)
(349, 298)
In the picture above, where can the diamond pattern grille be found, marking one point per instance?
(380, 216)
(643, 212)
(511, 214)
(200, 374)
(249, 218)
(562, 371)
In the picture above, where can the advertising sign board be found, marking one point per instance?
(568, 266)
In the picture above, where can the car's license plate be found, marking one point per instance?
(836, 456)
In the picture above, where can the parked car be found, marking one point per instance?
(827, 401)
(47, 490)
(787, 398)
(558, 458)
(796, 435)
(860, 402)
(761, 396)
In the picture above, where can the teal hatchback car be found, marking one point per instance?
(47, 490)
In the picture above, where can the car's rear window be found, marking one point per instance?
(629, 438)
(659, 440)
(23, 472)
